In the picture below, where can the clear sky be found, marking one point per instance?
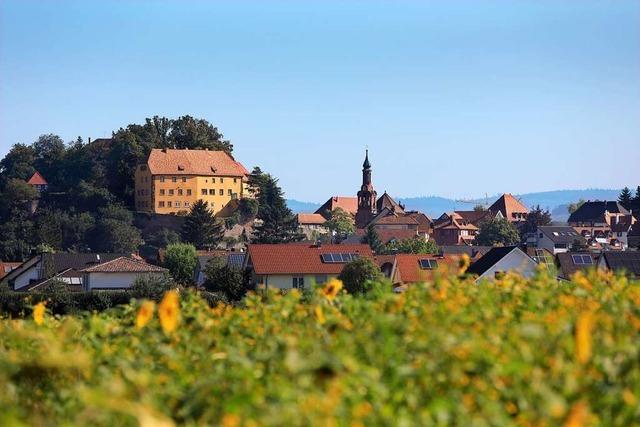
(453, 98)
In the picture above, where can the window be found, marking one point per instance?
(298, 282)
(174, 179)
(188, 192)
(204, 191)
(221, 180)
(162, 191)
(161, 204)
(162, 179)
(235, 180)
(212, 192)
(168, 204)
(229, 192)
(321, 279)
(221, 192)
(171, 192)
(179, 191)
(184, 179)
(177, 204)
(213, 180)
(428, 264)
(187, 204)
(582, 259)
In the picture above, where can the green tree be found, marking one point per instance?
(537, 217)
(50, 151)
(181, 260)
(625, 197)
(497, 232)
(372, 239)
(579, 245)
(151, 287)
(232, 282)
(341, 224)
(164, 237)
(359, 275)
(114, 231)
(417, 245)
(201, 227)
(479, 208)
(18, 163)
(276, 222)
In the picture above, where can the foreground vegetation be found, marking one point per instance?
(521, 352)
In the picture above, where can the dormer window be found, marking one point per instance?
(213, 169)
(180, 167)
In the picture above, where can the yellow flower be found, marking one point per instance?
(230, 420)
(584, 327)
(169, 312)
(320, 315)
(578, 415)
(331, 289)
(38, 313)
(145, 314)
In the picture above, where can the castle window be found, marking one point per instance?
(171, 192)
(187, 204)
(204, 191)
(230, 192)
(177, 204)
(221, 192)
(184, 179)
(212, 192)
(180, 192)
(174, 179)
(221, 180)
(161, 204)
(188, 192)
(168, 204)
(162, 191)
(162, 179)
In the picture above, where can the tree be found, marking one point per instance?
(341, 224)
(164, 237)
(572, 207)
(50, 152)
(114, 231)
(277, 224)
(232, 282)
(181, 260)
(18, 163)
(625, 197)
(201, 228)
(479, 208)
(417, 245)
(151, 287)
(535, 218)
(373, 240)
(635, 202)
(358, 276)
(497, 232)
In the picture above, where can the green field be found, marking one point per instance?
(518, 352)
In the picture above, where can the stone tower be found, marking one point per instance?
(366, 196)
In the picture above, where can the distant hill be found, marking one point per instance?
(556, 201)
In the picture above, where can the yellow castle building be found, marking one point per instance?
(172, 180)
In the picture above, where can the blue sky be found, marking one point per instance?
(452, 98)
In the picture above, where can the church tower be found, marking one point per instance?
(366, 196)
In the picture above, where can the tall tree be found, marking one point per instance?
(372, 239)
(537, 217)
(114, 231)
(341, 224)
(277, 224)
(625, 197)
(497, 232)
(181, 260)
(201, 228)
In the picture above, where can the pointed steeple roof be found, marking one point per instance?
(366, 164)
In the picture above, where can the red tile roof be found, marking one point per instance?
(348, 204)
(508, 205)
(194, 162)
(299, 259)
(124, 265)
(396, 220)
(308, 218)
(37, 179)
(407, 267)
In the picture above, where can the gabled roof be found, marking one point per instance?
(474, 252)
(194, 162)
(395, 220)
(292, 258)
(386, 201)
(474, 217)
(568, 265)
(125, 265)
(490, 259)
(594, 211)
(347, 204)
(561, 234)
(508, 205)
(37, 179)
(453, 221)
(311, 219)
(628, 261)
(407, 267)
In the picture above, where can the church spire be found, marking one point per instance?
(366, 196)
(366, 164)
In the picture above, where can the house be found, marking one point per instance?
(501, 260)
(118, 273)
(172, 180)
(298, 265)
(570, 263)
(38, 182)
(347, 204)
(63, 266)
(556, 239)
(477, 217)
(414, 268)
(231, 259)
(311, 225)
(509, 208)
(598, 215)
(627, 262)
(452, 229)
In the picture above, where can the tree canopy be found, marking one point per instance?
(497, 232)
(201, 228)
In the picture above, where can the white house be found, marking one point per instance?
(557, 239)
(501, 260)
(119, 273)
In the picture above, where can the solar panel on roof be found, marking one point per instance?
(428, 264)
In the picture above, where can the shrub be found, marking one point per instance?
(358, 275)
(151, 287)
(181, 261)
(232, 282)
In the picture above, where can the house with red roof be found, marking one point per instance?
(418, 268)
(118, 273)
(509, 208)
(38, 182)
(312, 225)
(299, 265)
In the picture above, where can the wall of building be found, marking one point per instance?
(32, 273)
(286, 281)
(515, 262)
(111, 280)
